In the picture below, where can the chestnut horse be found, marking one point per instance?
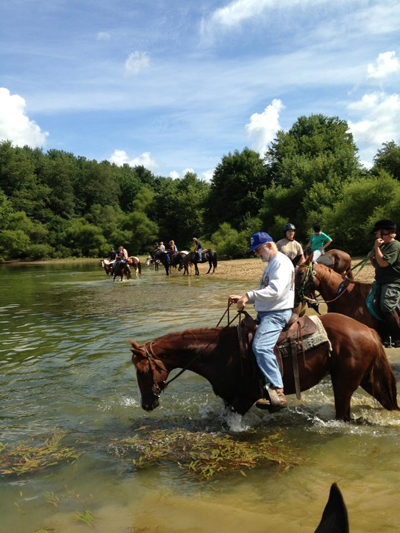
(357, 359)
(338, 261)
(341, 296)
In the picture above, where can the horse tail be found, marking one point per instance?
(380, 381)
(215, 260)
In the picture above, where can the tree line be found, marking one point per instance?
(55, 205)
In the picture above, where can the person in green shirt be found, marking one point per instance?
(318, 242)
(385, 257)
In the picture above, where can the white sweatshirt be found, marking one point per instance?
(276, 290)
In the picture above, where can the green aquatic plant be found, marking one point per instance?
(28, 458)
(204, 454)
(87, 518)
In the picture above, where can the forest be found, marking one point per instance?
(56, 204)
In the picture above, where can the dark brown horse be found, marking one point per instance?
(357, 359)
(122, 269)
(340, 295)
(338, 261)
(209, 256)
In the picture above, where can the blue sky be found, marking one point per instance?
(177, 85)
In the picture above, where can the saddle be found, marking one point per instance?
(326, 259)
(290, 341)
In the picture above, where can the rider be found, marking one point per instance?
(161, 247)
(198, 247)
(122, 257)
(172, 250)
(318, 242)
(385, 257)
(289, 246)
(273, 301)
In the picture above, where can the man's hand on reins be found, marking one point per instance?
(240, 301)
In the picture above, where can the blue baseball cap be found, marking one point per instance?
(257, 239)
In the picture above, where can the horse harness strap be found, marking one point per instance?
(151, 353)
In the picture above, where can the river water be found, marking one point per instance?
(65, 365)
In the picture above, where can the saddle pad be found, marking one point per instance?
(317, 338)
(326, 260)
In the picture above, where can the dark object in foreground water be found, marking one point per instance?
(334, 518)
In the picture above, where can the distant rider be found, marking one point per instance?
(289, 246)
(198, 247)
(318, 242)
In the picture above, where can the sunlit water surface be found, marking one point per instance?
(65, 365)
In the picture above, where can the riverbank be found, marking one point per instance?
(234, 269)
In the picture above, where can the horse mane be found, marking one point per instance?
(332, 274)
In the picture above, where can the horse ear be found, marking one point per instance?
(308, 260)
(138, 354)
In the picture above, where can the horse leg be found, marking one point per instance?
(343, 392)
(209, 266)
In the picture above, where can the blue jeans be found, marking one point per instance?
(272, 323)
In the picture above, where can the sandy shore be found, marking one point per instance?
(250, 270)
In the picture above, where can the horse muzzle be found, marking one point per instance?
(151, 404)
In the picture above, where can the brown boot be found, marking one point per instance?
(277, 400)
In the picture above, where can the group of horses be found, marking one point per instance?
(356, 357)
(184, 260)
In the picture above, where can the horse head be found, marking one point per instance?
(151, 374)
(306, 281)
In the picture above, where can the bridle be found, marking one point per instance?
(157, 388)
(309, 280)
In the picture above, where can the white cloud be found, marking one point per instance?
(15, 125)
(379, 123)
(136, 61)
(208, 174)
(178, 175)
(386, 64)
(239, 11)
(103, 36)
(263, 126)
(120, 157)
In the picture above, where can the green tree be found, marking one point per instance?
(388, 159)
(237, 189)
(307, 169)
(350, 220)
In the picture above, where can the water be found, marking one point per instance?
(65, 365)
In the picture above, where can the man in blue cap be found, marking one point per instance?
(273, 301)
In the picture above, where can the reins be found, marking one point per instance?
(341, 290)
(151, 355)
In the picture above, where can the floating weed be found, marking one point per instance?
(26, 458)
(51, 530)
(204, 454)
(87, 518)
